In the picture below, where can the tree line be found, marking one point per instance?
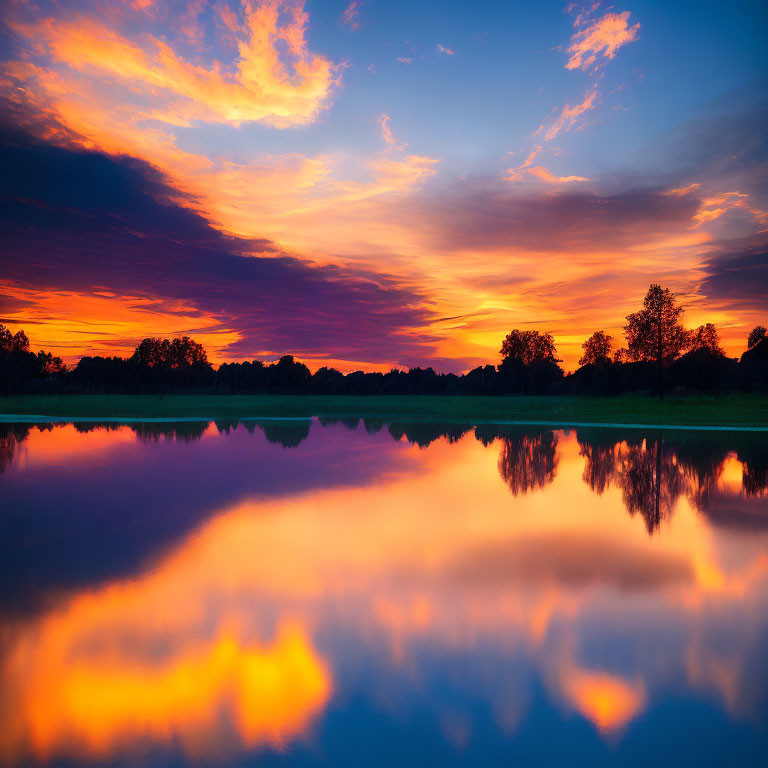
(660, 355)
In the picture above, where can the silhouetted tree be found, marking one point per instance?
(705, 337)
(328, 381)
(529, 364)
(753, 366)
(186, 352)
(597, 348)
(529, 347)
(755, 335)
(22, 370)
(287, 375)
(171, 364)
(9, 342)
(654, 333)
(704, 369)
(49, 365)
(175, 353)
(482, 380)
(621, 355)
(242, 377)
(150, 352)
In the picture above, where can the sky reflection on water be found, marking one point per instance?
(382, 593)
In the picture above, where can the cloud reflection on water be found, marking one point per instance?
(503, 569)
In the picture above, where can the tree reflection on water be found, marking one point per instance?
(652, 470)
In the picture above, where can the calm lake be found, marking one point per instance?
(371, 593)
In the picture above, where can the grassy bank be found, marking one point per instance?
(736, 410)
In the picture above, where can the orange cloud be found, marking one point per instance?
(532, 155)
(568, 117)
(680, 191)
(445, 50)
(386, 132)
(715, 206)
(260, 85)
(543, 174)
(546, 175)
(600, 39)
(402, 174)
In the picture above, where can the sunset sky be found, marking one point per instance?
(374, 183)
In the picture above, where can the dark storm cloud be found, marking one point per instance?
(78, 220)
(737, 274)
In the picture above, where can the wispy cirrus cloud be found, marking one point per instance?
(599, 39)
(594, 42)
(532, 155)
(568, 117)
(715, 206)
(447, 51)
(543, 174)
(679, 191)
(386, 132)
(351, 16)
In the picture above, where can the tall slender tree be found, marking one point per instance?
(654, 333)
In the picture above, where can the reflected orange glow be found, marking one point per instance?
(444, 554)
(47, 446)
(608, 701)
(68, 701)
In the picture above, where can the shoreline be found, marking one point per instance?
(740, 412)
(6, 418)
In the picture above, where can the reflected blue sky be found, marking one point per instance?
(384, 593)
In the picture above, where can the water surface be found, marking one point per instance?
(348, 592)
